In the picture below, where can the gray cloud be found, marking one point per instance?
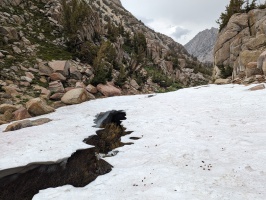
(179, 32)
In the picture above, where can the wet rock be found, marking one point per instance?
(38, 107)
(75, 96)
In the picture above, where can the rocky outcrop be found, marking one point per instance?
(257, 87)
(202, 45)
(240, 47)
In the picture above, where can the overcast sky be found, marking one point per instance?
(179, 19)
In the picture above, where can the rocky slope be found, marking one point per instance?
(54, 53)
(202, 45)
(240, 48)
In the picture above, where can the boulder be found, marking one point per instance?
(5, 107)
(80, 84)
(75, 73)
(43, 91)
(60, 66)
(262, 62)
(11, 90)
(29, 75)
(252, 69)
(249, 56)
(18, 125)
(75, 96)
(57, 96)
(45, 70)
(2, 55)
(91, 89)
(16, 50)
(56, 87)
(38, 107)
(21, 113)
(257, 42)
(8, 115)
(9, 32)
(134, 84)
(2, 122)
(108, 90)
(221, 81)
(26, 123)
(257, 87)
(57, 77)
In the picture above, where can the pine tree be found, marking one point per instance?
(235, 6)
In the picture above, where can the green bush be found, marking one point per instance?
(88, 52)
(226, 71)
(120, 81)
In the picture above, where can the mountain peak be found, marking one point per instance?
(201, 46)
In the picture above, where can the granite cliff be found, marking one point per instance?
(239, 52)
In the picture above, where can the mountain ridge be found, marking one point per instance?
(202, 45)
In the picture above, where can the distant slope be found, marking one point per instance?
(201, 46)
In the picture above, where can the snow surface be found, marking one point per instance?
(222, 126)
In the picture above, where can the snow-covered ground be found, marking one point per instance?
(197, 143)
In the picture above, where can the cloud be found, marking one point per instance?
(179, 32)
(145, 20)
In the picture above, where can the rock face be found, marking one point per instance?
(202, 45)
(75, 96)
(240, 47)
